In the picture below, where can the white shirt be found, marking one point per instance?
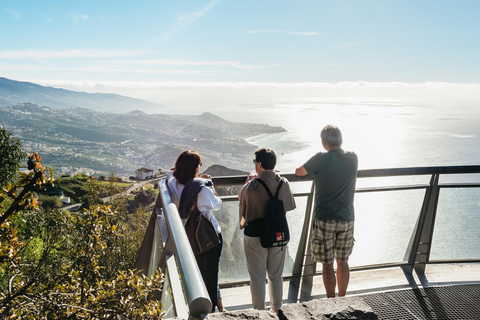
(206, 199)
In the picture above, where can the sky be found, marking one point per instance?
(146, 48)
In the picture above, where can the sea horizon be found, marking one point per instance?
(385, 133)
(391, 134)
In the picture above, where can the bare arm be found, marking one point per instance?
(301, 171)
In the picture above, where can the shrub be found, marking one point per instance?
(11, 156)
(58, 264)
(49, 202)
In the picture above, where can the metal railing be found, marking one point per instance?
(186, 293)
(159, 250)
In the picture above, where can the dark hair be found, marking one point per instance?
(266, 157)
(332, 136)
(186, 166)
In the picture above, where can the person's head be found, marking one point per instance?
(265, 158)
(187, 165)
(331, 137)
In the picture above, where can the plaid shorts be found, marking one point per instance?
(332, 239)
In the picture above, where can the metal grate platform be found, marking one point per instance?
(451, 302)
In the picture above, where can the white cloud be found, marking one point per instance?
(78, 17)
(280, 85)
(66, 54)
(187, 19)
(106, 70)
(294, 33)
(190, 16)
(146, 71)
(13, 13)
(348, 45)
(425, 95)
(175, 62)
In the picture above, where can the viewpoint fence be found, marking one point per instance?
(166, 246)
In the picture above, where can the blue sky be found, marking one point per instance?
(100, 44)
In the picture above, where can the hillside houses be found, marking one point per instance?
(144, 174)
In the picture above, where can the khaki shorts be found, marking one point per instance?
(332, 239)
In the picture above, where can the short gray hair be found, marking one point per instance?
(332, 136)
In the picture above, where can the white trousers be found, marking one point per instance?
(261, 262)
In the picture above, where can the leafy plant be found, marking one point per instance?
(11, 156)
(57, 264)
(48, 201)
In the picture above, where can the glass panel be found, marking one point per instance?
(392, 181)
(157, 249)
(384, 225)
(295, 220)
(457, 227)
(233, 266)
(301, 187)
(167, 297)
(232, 261)
(460, 178)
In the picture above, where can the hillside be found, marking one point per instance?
(68, 139)
(221, 171)
(16, 92)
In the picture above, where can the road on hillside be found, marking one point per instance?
(135, 186)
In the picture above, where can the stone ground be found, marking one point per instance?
(351, 308)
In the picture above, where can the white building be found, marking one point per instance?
(144, 173)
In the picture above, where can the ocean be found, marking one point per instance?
(384, 133)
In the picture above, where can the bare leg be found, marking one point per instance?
(343, 277)
(220, 306)
(329, 280)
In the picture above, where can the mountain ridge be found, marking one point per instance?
(122, 142)
(14, 92)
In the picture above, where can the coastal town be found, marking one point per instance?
(79, 140)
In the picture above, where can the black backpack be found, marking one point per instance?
(275, 231)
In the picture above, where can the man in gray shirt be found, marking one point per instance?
(253, 207)
(335, 176)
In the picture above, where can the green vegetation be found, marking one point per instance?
(49, 202)
(143, 198)
(76, 188)
(11, 155)
(56, 264)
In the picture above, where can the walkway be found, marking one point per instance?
(446, 291)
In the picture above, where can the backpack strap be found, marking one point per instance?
(278, 189)
(268, 190)
(189, 196)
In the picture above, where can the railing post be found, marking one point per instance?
(303, 253)
(147, 260)
(418, 250)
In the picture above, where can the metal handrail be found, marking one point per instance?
(416, 257)
(364, 173)
(191, 279)
(165, 238)
(417, 254)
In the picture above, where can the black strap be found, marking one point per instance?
(268, 190)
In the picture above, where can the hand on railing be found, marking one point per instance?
(251, 176)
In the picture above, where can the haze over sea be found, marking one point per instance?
(384, 132)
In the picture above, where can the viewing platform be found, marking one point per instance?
(445, 291)
(416, 254)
